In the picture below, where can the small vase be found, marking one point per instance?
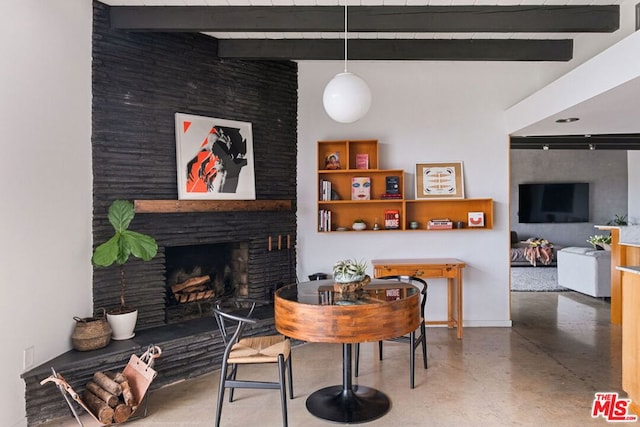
(359, 226)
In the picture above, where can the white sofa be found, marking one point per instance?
(585, 270)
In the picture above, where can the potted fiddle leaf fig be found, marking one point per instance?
(118, 249)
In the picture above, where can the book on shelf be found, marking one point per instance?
(332, 161)
(387, 196)
(325, 190)
(324, 220)
(361, 188)
(392, 184)
(362, 161)
(391, 219)
(439, 224)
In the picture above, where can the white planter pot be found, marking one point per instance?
(123, 325)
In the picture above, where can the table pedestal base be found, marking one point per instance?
(358, 404)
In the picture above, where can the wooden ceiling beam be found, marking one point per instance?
(459, 19)
(398, 49)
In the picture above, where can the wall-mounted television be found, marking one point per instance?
(553, 202)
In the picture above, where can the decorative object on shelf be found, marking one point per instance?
(475, 219)
(214, 158)
(332, 161)
(346, 97)
(376, 226)
(359, 225)
(91, 333)
(413, 225)
(119, 249)
(439, 180)
(600, 242)
(360, 188)
(350, 275)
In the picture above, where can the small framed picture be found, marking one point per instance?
(332, 161)
(475, 219)
(441, 180)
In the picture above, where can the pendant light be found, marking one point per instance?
(346, 97)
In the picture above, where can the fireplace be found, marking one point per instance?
(196, 275)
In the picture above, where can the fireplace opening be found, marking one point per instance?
(197, 275)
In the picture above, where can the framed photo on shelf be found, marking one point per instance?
(214, 158)
(441, 180)
(332, 161)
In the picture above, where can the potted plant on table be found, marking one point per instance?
(118, 249)
(350, 275)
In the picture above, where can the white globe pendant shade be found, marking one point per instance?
(346, 98)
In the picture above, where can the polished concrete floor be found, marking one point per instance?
(542, 371)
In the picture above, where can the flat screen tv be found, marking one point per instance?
(553, 203)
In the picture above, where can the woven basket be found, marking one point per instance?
(91, 333)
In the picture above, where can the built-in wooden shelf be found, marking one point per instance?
(185, 206)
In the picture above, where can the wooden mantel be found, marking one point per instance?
(185, 206)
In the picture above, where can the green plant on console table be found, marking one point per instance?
(618, 220)
(599, 240)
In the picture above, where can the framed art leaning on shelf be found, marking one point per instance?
(439, 180)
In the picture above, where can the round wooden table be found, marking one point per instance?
(313, 311)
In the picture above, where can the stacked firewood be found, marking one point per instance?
(192, 289)
(109, 397)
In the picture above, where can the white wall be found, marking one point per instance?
(45, 185)
(430, 111)
(633, 165)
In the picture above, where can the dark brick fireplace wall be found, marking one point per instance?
(140, 80)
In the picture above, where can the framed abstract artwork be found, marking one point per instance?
(442, 180)
(214, 158)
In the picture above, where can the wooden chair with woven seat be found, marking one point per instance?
(411, 339)
(239, 350)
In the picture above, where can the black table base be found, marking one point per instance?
(347, 403)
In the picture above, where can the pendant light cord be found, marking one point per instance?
(345, 36)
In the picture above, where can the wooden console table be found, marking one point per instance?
(448, 268)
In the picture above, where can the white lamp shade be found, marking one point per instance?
(346, 98)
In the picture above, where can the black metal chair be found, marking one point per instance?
(411, 339)
(251, 350)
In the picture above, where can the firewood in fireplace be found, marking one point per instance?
(102, 411)
(194, 281)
